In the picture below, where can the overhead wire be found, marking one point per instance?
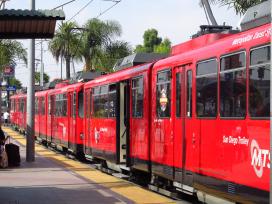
(62, 5)
(80, 10)
(105, 11)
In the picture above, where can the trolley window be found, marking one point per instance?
(206, 88)
(74, 105)
(112, 101)
(163, 101)
(178, 95)
(64, 105)
(259, 82)
(189, 93)
(36, 105)
(56, 106)
(50, 105)
(104, 101)
(80, 104)
(137, 97)
(87, 104)
(22, 105)
(61, 105)
(42, 105)
(233, 85)
(97, 113)
(19, 105)
(100, 100)
(11, 104)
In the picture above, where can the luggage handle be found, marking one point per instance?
(7, 138)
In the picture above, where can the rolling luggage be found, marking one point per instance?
(3, 158)
(13, 152)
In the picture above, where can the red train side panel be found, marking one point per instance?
(206, 148)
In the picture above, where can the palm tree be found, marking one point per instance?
(99, 34)
(66, 44)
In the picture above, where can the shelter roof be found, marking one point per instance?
(24, 24)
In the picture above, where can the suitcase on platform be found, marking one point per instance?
(13, 153)
(3, 158)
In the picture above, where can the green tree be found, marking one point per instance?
(10, 52)
(240, 6)
(154, 43)
(65, 44)
(151, 39)
(112, 52)
(164, 47)
(140, 48)
(15, 82)
(45, 77)
(96, 38)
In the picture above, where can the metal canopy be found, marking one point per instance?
(25, 24)
(257, 15)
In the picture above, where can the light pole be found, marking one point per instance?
(42, 65)
(30, 143)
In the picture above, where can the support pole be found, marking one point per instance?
(42, 65)
(30, 143)
(61, 67)
(8, 93)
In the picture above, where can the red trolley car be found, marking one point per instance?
(41, 110)
(110, 132)
(65, 117)
(18, 111)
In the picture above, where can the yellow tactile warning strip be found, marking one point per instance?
(122, 187)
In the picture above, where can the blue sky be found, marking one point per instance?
(175, 19)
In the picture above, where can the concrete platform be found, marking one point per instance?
(55, 179)
(47, 182)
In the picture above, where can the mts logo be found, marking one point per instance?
(260, 158)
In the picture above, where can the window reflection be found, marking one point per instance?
(104, 101)
(259, 82)
(206, 86)
(163, 101)
(137, 97)
(233, 86)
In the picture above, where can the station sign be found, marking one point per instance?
(11, 88)
(8, 88)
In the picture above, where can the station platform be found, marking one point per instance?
(56, 179)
